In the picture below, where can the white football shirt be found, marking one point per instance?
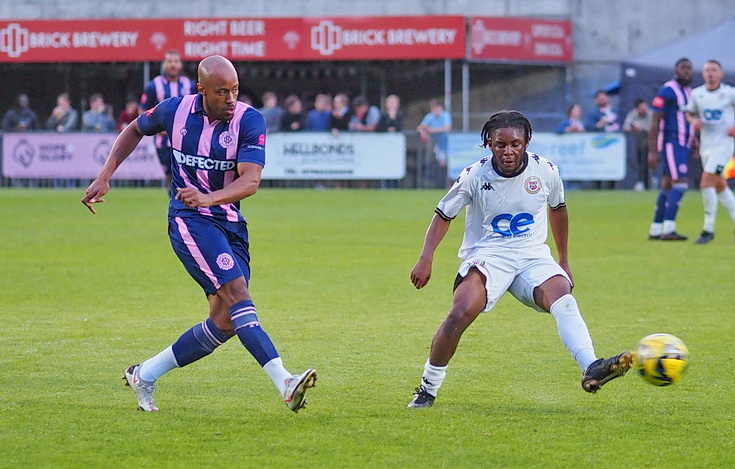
(716, 109)
(504, 212)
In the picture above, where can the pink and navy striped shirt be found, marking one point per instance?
(204, 153)
(671, 100)
(160, 89)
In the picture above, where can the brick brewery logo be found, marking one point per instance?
(14, 40)
(328, 37)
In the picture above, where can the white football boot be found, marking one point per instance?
(296, 386)
(143, 389)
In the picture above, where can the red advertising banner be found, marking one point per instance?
(333, 38)
(520, 39)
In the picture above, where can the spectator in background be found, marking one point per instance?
(636, 124)
(293, 119)
(20, 117)
(364, 116)
(438, 123)
(98, 118)
(391, 120)
(319, 119)
(603, 118)
(272, 112)
(128, 114)
(63, 118)
(573, 122)
(341, 114)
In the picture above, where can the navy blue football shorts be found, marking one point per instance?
(675, 160)
(213, 251)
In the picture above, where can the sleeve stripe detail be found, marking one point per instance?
(563, 204)
(442, 215)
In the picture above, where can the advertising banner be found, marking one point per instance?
(298, 155)
(520, 39)
(580, 156)
(320, 155)
(328, 38)
(73, 155)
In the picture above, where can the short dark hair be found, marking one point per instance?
(639, 101)
(359, 101)
(713, 61)
(503, 120)
(683, 59)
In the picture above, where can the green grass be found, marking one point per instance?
(85, 296)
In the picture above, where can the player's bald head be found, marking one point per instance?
(215, 66)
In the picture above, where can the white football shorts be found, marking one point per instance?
(715, 159)
(516, 272)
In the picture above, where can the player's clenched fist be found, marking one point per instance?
(421, 273)
(191, 197)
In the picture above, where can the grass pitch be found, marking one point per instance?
(85, 296)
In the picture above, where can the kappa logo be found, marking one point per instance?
(487, 187)
(533, 185)
(483, 161)
(226, 139)
(225, 261)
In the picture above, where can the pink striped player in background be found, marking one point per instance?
(169, 84)
(217, 149)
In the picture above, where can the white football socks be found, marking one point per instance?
(433, 377)
(668, 227)
(573, 330)
(656, 229)
(709, 199)
(728, 201)
(154, 368)
(277, 373)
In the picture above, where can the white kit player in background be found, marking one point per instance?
(711, 110)
(509, 197)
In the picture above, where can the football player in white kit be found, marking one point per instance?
(711, 110)
(509, 196)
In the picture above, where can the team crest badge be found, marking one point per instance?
(225, 261)
(226, 139)
(533, 185)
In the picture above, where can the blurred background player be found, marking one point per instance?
(670, 140)
(171, 83)
(711, 110)
(509, 196)
(217, 165)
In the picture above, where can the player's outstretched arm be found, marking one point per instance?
(421, 272)
(559, 222)
(125, 143)
(244, 186)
